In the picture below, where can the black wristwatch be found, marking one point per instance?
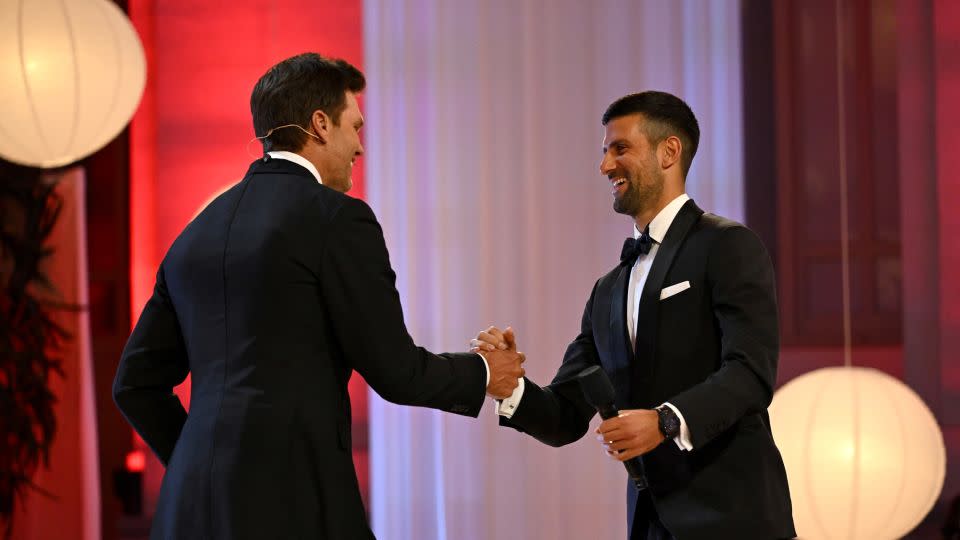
(669, 423)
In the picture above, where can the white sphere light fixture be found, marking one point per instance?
(864, 455)
(72, 75)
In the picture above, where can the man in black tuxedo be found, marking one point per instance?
(686, 328)
(271, 298)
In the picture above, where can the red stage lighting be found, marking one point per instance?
(135, 461)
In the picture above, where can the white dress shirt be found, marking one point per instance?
(299, 160)
(638, 276)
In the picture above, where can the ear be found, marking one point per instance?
(670, 151)
(321, 125)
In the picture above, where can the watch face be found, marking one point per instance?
(669, 423)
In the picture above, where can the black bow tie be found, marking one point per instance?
(634, 247)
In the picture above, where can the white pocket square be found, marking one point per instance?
(667, 292)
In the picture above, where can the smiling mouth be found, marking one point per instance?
(618, 184)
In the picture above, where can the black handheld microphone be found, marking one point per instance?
(598, 391)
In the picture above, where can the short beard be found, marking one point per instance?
(636, 199)
(629, 202)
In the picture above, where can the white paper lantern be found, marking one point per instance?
(71, 77)
(864, 455)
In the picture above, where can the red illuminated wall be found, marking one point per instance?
(189, 138)
(901, 86)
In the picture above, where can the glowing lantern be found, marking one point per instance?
(72, 75)
(864, 456)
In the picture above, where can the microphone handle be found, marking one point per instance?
(608, 411)
(634, 466)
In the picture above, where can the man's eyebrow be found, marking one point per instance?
(613, 142)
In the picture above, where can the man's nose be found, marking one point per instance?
(606, 166)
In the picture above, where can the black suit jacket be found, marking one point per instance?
(270, 298)
(711, 351)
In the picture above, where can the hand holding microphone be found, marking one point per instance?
(625, 435)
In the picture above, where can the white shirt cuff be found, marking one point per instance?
(508, 406)
(486, 366)
(683, 438)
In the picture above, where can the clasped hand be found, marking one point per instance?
(500, 351)
(630, 434)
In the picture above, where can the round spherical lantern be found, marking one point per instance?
(864, 456)
(71, 77)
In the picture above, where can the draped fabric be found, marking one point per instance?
(483, 142)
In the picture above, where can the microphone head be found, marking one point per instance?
(596, 386)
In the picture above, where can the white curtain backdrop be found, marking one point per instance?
(483, 143)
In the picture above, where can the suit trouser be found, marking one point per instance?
(646, 522)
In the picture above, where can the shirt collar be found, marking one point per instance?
(661, 222)
(299, 160)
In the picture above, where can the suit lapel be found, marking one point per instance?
(647, 314)
(620, 351)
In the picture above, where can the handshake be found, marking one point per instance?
(499, 349)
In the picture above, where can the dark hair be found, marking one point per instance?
(665, 115)
(289, 93)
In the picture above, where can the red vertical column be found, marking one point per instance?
(946, 22)
(946, 25)
(928, 90)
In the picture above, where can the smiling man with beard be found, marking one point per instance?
(686, 328)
